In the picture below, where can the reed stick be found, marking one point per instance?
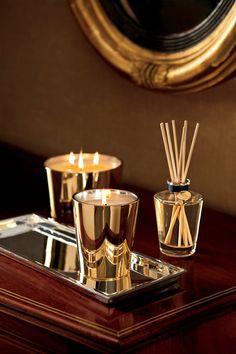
(175, 145)
(171, 152)
(184, 150)
(180, 154)
(167, 150)
(172, 224)
(189, 236)
(180, 228)
(191, 151)
(185, 228)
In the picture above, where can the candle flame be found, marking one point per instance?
(81, 160)
(96, 158)
(72, 158)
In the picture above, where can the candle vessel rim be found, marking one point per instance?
(157, 196)
(113, 160)
(116, 191)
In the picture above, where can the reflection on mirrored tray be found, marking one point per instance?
(53, 247)
(40, 241)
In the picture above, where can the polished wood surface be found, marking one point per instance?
(38, 313)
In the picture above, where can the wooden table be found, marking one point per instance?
(39, 314)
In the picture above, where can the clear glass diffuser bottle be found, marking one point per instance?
(178, 214)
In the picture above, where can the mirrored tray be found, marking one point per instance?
(52, 246)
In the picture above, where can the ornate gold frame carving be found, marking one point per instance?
(199, 67)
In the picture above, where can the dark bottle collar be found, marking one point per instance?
(178, 187)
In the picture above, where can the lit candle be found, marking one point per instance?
(106, 197)
(83, 163)
(105, 221)
(71, 173)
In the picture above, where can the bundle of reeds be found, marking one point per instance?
(178, 163)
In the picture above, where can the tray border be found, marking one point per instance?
(112, 299)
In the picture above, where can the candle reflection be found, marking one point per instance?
(60, 256)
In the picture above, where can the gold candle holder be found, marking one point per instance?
(105, 222)
(72, 173)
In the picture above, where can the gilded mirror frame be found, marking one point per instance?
(199, 67)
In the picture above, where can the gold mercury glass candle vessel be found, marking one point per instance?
(105, 221)
(71, 173)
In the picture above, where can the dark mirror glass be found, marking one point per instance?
(166, 25)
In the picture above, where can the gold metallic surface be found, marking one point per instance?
(59, 255)
(62, 185)
(105, 235)
(199, 67)
(183, 195)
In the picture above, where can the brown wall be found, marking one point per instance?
(57, 94)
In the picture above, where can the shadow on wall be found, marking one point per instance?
(23, 183)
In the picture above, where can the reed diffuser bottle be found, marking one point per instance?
(178, 209)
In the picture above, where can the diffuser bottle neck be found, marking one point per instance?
(178, 187)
